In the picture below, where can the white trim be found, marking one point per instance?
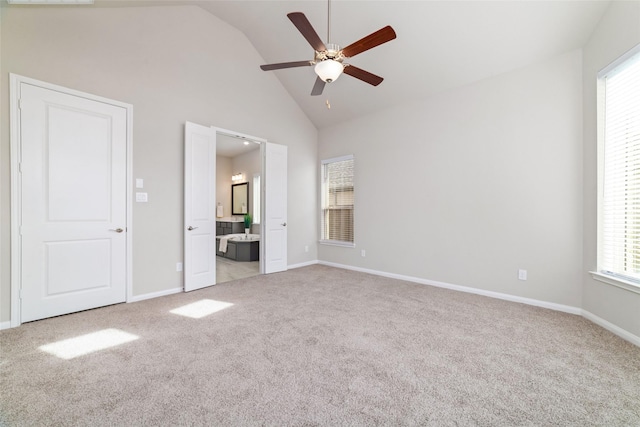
(51, 2)
(15, 80)
(622, 333)
(14, 235)
(609, 71)
(491, 294)
(616, 63)
(130, 192)
(616, 281)
(239, 135)
(626, 335)
(337, 243)
(337, 159)
(262, 253)
(302, 264)
(155, 294)
(5, 325)
(330, 242)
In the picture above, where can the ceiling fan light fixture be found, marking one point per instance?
(329, 70)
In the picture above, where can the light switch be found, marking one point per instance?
(139, 183)
(142, 197)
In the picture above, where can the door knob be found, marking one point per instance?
(284, 224)
(117, 230)
(191, 228)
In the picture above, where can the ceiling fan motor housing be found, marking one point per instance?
(332, 51)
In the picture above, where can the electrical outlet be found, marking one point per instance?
(306, 248)
(178, 266)
(363, 253)
(522, 274)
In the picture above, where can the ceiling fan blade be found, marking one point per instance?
(381, 36)
(281, 65)
(363, 75)
(304, 26)
(318, 87)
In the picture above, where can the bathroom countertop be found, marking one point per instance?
(230, 219)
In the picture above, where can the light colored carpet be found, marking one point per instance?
(324, 346)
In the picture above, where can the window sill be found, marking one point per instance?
(337, 243)
(616, 281)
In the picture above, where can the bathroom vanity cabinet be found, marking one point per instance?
(229, 227)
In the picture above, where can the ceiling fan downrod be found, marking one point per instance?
(328, 21)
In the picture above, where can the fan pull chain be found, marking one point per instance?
(328, 104)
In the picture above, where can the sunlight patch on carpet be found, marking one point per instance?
(89, 343)
(202, 308)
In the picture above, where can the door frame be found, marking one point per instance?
(16, 185)
(263, 144)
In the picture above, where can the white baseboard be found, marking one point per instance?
(155, 295)
(622, 333)
(5, 325)
(498, 295)
(302, 264)
(626, 335)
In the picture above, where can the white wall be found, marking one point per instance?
(618, 31)
(469, 186)
(173, 63)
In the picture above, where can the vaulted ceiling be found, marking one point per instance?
(440, 44)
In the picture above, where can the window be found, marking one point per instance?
(337, 201)
(256, 198)
(619, 169)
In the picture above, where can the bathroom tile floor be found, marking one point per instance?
(228, 270)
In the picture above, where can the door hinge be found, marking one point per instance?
(20, 104)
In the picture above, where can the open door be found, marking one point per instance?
(275, 208)
(199, 207)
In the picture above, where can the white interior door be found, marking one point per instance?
(275, 208)
(199, 207)
(73, 202)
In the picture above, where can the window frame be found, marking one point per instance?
(331, 242)
(601, 274)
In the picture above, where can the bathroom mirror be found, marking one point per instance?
(240, 198)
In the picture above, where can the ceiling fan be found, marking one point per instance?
(329, 58)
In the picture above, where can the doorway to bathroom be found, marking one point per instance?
(238, 207)
(215, 224)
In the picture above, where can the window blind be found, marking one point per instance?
(337, 200)
(619, 245)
